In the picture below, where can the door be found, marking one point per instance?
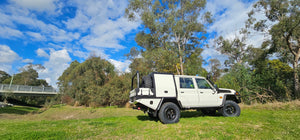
(187, 95)
(207, 96)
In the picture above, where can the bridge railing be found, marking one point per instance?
(6, 87)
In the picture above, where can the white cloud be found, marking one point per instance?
(229, 15)
(105, 26)
(42, 53)
(10, 33)
(121, 66)
(35, 28)
(28, 61)
(37, 5)
(55, 66)
(61, 35)
(5, 19)
(109, 34)
(80, 54)
(7, 55)
(80, 22)
(36, 36)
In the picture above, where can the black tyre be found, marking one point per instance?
(169, 113)
(208, 111)
(230, 109)
(147, 81)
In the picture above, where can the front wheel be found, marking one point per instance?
(169, 113)
(231, 109)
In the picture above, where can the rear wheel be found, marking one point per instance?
(230, 109)
(169, 113)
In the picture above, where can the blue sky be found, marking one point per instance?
(56, 32)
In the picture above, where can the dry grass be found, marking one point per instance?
(69, 113)
(293, 105)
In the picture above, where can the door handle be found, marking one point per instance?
(181, 92)
(201, 92)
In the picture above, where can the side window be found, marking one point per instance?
(202, 84)
(186, 83)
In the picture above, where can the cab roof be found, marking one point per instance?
(189, 76)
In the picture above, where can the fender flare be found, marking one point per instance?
(230, 97)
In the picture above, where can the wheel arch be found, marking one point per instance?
(172, 100)
(230, 97)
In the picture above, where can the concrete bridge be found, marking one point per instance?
(21, 90)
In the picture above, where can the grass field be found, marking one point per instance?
(270, 121)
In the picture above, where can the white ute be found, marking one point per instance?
(163, 95)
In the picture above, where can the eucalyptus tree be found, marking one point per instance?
(282, 22)
(215, 69)
(28, 76)
(172, 30)
(83, 82)
(236, 49)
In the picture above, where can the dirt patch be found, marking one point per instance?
(10, 116)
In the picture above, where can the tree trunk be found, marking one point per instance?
(296, 76)
(181, 65)
(180, 57)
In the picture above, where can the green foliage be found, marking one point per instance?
(138, 63)
(285, 31)
(194, 62)
(4, 76)
(277, 78)
(82, 81)
(94, 83)
(240, 79)
(172, 33)
(264, 84)
(117, 90)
